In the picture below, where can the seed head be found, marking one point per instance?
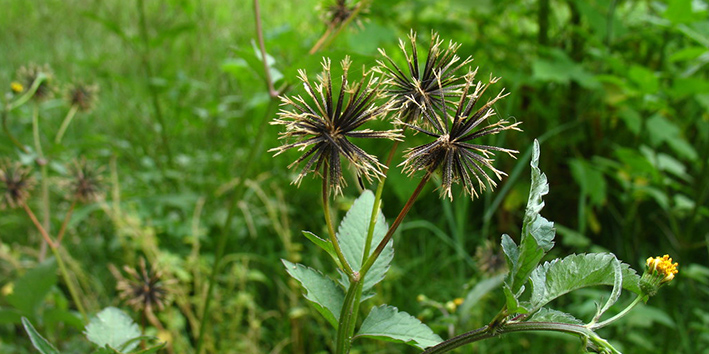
(27, 75)
(16, 183)
(327, 119)
(85, 183)
(338, 12)
(82, 96)
(453, 152)
(415, 89)
(143, 289)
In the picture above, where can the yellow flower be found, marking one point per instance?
(16, 87)
(662, 266)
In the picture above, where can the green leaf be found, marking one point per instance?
(561, 276)
(352, 235)
(30, 290)
(326, 245)
(537, 232)
(549, 315)
(38, 341)
(387, 323)
(112, 327)
(321, 291)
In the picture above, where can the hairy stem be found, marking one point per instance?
(348, 317)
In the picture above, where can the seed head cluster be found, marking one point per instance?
(430, 97)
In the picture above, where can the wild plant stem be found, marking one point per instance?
(395, 225)
(42, 162)
(489, 332)
(69, 283)
(348, 317)
(619, 315)
(65, 123)
(325, 40)
(331, 227)
(259, 32)
(221, 242)
(67, 218)
(54, 246)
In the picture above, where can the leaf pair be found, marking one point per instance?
(327, 296)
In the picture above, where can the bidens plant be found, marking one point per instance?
(432, 98)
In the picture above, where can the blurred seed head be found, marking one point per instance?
(27, 75)
(82, 95)
(454, 152)
(86, 182)
(335, 13)
(16, 183)
(144, 288)
(415, 88)
(490, 259)
(324, 122)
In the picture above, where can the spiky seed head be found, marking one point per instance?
(86, 182)
(453, 152)
(16, 183)
(82, 95)
(144, 288)
(327, 118)
(418, 87)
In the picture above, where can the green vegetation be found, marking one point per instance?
(168, 172)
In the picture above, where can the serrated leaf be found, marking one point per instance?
(38, 341)
(321, 291)
(549, 315)
(561, 276)
(30, 290)
(387, 323)
(112, 327)
(537, 232)
(352, 235)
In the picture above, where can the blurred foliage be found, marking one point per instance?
(616, 91)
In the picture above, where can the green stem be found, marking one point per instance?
(619, 315)
(331, 227)
(489, 332)
(42, 162)
(221, 242)
(65, 123)
(69, 283)
(348, 317)
(395, 225)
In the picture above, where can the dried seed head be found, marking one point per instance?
(453, 152)
(335, 13)
(83, 96)
(16, 183)
(415, 88)
(27, 75)
(85, 183)
(325, 121)
(144, 288)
